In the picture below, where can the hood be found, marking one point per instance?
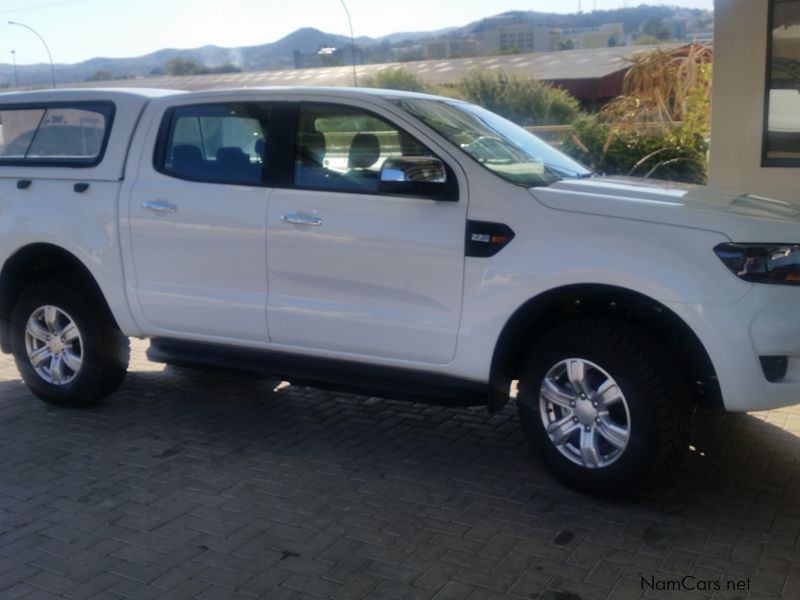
(743, 218)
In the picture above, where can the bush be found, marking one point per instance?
(183, 66)
(396, 79)
(186, 66)
(659, 126)
(525, 101)
(100, 75)
(662, 154)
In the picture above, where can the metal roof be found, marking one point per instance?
(560, 66)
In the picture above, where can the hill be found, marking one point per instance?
(279, 54)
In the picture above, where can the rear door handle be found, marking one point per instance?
(159, 206)
(302, 220)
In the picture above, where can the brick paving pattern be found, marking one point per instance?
(199, 485)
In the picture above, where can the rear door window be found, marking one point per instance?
(215, 143)
(68, 135)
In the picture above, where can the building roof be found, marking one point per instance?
(560, 66)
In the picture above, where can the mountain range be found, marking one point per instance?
(279, 54)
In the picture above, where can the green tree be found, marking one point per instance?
(524, 100)
(100, 75)
(567, 44)
(330, 60)
(654, 27)
(183, 66)
(411, 54)
(226, 68)
(396, 79)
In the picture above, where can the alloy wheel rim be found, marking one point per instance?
(54, 345)
(584, 413)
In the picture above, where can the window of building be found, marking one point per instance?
(54, 135)
(216, 143)
(782, 135)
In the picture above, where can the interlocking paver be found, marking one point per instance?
(190, 484)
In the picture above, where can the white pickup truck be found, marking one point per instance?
(401, 244)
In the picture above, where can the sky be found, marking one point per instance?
(76, 30)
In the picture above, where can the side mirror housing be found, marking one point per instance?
(421, 176)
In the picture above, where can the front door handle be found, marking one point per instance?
(159, 206)
(302, 220)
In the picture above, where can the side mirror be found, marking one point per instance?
(422, 176)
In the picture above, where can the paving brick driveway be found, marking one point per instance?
(187, 485)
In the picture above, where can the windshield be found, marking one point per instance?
(504, 148)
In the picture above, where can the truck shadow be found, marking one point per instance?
(208, 433)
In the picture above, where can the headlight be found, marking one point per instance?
(762, 263)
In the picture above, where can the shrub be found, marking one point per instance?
(396, 79)
(665, 86)
(662, 154)
(659, 126)
(186, 66)
(183, 66)
(525, 101)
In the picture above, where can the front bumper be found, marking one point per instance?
(765, 323)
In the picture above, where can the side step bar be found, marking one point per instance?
(332, 374)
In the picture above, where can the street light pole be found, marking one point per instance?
(14, 62)
(50, 56)
(352, 42)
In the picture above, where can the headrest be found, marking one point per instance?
(365, 150)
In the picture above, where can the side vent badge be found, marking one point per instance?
(485, 238)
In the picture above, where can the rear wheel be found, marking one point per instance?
(604, 405)
(66, 347)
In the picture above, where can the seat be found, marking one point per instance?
(365, 151)
(187, 160)
(260, 149)
(309, 167)
(232, 156)
(234, 165)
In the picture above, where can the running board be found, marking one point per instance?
(324, 373)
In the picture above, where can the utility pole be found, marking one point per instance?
(352, 42)
(50, 56)
(14, 62)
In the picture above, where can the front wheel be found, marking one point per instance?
(66, 347)
(604, 405)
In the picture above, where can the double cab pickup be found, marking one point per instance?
(399, 244)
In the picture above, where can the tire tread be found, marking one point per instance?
(113, 348)
(656, 371)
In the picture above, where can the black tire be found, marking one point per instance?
(653, 387)
(104, 351)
